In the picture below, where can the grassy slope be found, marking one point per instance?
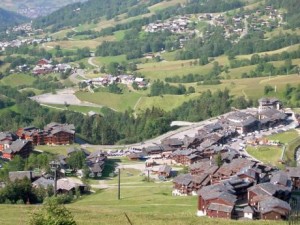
(285, 137)
(144, 203)
(266, 154)
(117, 102)
(15, 80)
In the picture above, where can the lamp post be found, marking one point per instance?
(54, 165)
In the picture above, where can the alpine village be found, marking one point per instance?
(149, 112)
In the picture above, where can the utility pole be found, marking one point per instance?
(119, 184)
(54, 167)
(148, 176)
(55, 182)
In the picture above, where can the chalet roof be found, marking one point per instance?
(267, 189)
(67, 184)
(293, 171)
(97, 154)
(19, 175)
(213, 127)
(241, 119)
(165, 169)
(184, 179)
(265, 100)
(248, 209)
(153, 148)
(62, 160)
(8, 136)
(43, 182)
(185, 152)
(200, 179)
(172, 142)
(220, 207)
(273, 114)
(96, 167)
(270, 203)
(218, 191)
(203, 164)
(74, 149)
(58, 127)
(16, 146)
(280, 178)
(248, 172)
(235, 166)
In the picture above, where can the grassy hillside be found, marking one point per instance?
(144, 203)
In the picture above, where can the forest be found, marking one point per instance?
(112, 127)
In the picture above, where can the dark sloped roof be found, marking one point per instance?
(19, 175)
(164, 169)
(248, 209)
(16, 146)
(43, 182)
(281, 178)
(271, 202)
(184, 179)
(293, 171)
(220, 207)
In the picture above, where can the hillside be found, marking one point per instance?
(35, 8)
(8, 18)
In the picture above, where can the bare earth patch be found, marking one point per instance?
(66, 96)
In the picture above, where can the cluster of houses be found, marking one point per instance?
(19, 43)
(123, 79)
(45, 66)
(228, 183)
(176, 25)
(95, 162)
(254, 192)
(238, 25)
(22, 142)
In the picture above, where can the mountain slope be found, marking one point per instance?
(35, 8)
(8, 18)
(80, 13)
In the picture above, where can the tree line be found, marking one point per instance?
(113, 127)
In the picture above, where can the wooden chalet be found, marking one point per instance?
(186, 157)
(59, 134)
(19, 147)
(203, 167)
(52, 134)
(164, 171)
(242, 122)
(217, 201)
(294, 174)
(173, 143)
(229, 169)
(262, 190)
(271, 208)
(183, 185)
(6, 139)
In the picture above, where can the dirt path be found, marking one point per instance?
(90, 61)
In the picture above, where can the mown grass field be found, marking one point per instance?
(76, 108)
(75, 44)
(17, 79)
(106, 60)
(284, 137)
(118, 102)
(59, 150)
(267, 154)
(166, 102)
